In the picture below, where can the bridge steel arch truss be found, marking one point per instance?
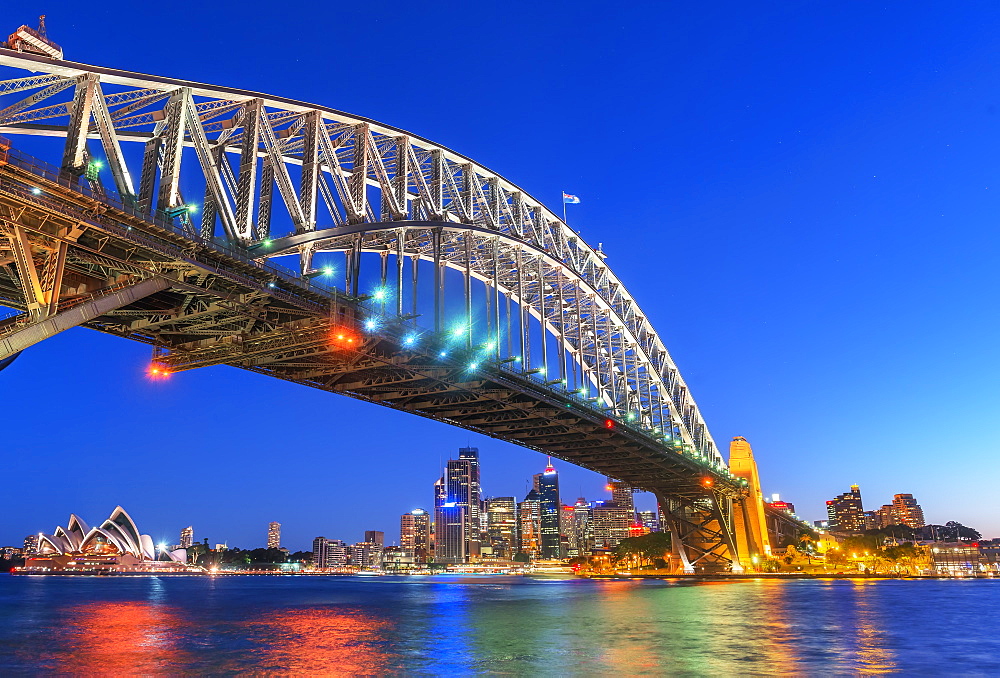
(351, 185)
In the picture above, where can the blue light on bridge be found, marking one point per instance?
(410, 340)
(444, 354)
(36, 191)
(370, 325)
(473, 366)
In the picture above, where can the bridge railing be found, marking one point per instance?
(157, 217)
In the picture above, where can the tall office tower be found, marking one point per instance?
(501, 526)
(582, 529)
(529, 521)
(274, 535)
(375, 537)
(845, 511)
(440, 497)
(470, 455)
(872, 520)
(450, 528)
(547, 487)
(31, 545)
(650, 520)
(459, 489)
(319, 552)
(415, 534)
(611, 523)
(568, 546)
(621, 494)
(187, 537)
(907, 511)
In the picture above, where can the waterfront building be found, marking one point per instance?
(375, 537)
(450, 525)
(319, 552)
(547, 487)
(274, 535)
(330, 553)
(501, 526)
(845, 511)
(415, 534)
(955, 559)
(610, 523)
(583, 536)
(30, 545)
(115, 546)
(568, 547)
(906, 511)
(459, 487)
(11, 552)
(529, 520)
(366, 555)
(187, 537)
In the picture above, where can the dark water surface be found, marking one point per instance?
(505, 626)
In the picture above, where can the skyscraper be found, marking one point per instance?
(582, 529)
(501, 526)
(415, 534)
(458, 492)
(529, 519)
(319, 552)
(450, 526)
(621, 494)
(274, 535)
(187, 537)
(845, 512)
(547, 487)
(376, 537)
(907, 511)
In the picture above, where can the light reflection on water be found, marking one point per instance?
(453, 626)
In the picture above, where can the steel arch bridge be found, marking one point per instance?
(464, 299)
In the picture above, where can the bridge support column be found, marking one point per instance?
(21, 332)
(701, 533)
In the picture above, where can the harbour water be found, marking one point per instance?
(494, 626)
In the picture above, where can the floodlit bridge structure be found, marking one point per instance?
(417, 279)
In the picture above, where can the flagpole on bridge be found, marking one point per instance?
(563, 198)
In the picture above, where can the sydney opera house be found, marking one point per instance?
(116, 546)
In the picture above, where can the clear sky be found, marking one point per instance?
(802, 197)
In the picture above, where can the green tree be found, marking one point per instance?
(647, 549)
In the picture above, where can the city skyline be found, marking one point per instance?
(810, 309)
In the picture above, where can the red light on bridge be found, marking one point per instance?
(609, 424)
(707, 482)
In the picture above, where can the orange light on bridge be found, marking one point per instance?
(707, 482)
(340, 339)
(158, 372)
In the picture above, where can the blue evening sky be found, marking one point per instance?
(802, 196)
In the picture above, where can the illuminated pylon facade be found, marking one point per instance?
(749, 522)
